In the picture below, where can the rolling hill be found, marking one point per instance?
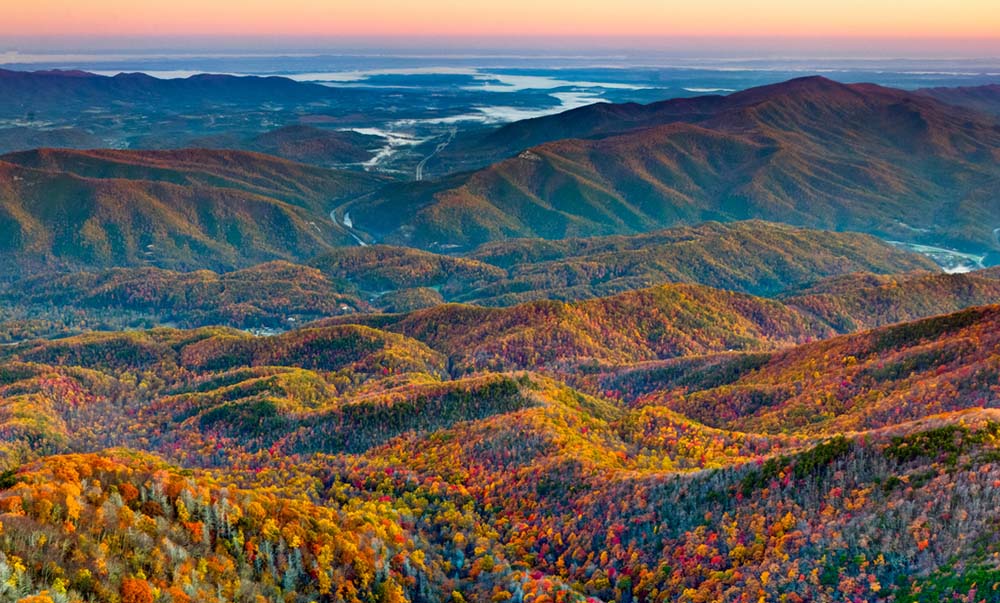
(377, 269)
(874, 379)
(172, 209)
(274, 295)
(751, 257)
(293, 183)
(660, 322)
(566, 494)
(19, 138)
(673, 320)
(865, 301)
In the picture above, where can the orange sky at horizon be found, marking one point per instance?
(955, 19)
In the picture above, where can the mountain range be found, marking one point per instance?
(44, 92)
(810, 152)
(698, 350)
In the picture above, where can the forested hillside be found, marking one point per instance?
(753, 257)
(172, 209)
(344, 462)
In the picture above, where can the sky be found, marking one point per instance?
(963, 21)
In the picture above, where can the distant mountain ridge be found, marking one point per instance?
(980, 98)
(46, 90)
(810, 152)
(599, 120)
(138, 111)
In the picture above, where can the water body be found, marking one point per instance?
(394, 140)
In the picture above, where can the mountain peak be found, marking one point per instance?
(812, 85)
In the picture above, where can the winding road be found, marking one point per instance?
(441, 146)
(346, 220)
(348, 225)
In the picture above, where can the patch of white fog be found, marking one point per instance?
(393, 142)
(518, 83)
(709, 90)
(490, 81)
(359, 76)
(499, 114)
(395, 139)
(395, 134)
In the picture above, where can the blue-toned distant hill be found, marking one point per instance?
(981, 98)
(76, 109)
(42, 91)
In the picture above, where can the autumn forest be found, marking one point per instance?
(692, 351)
